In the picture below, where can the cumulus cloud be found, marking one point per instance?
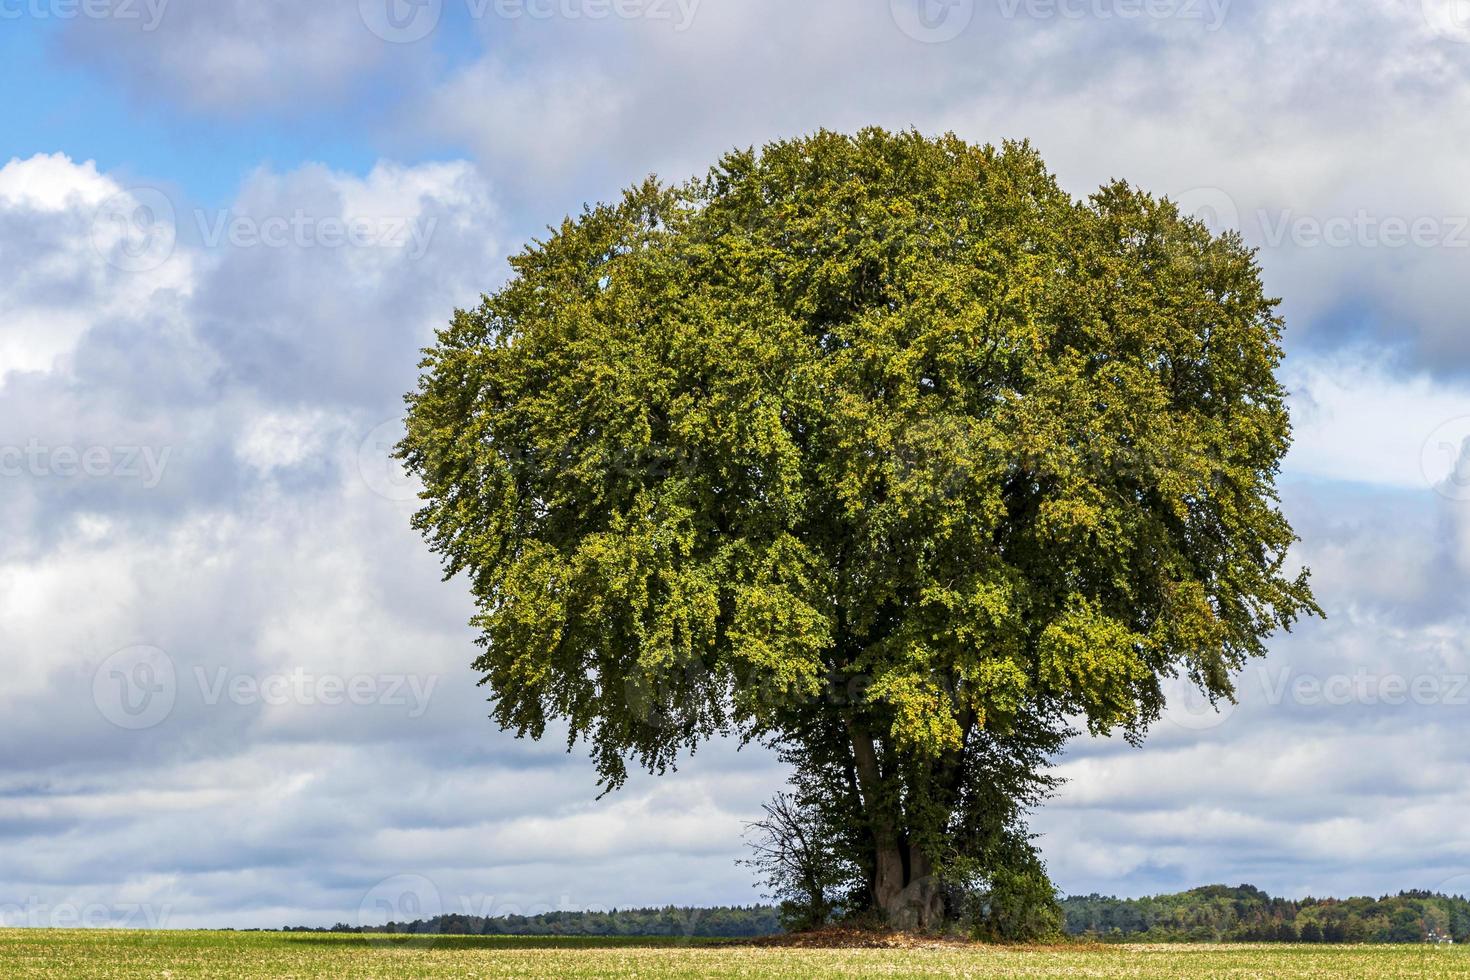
(229, 56)
(63, 232)
(325, 286)
(1328, 136)
(1338, 770)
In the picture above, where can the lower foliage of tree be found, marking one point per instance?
(880, 449)
(799, 856)
(815, 846)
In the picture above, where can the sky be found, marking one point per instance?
(239, 693)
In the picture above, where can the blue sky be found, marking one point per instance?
(239, 693)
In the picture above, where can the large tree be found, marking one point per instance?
(878, 446)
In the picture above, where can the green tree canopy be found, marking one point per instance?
(881, 440)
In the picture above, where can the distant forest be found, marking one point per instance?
(729, 921)
(1218, 913)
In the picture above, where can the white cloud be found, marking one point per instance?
(1356, 420)
(51, 182)
(1304, 116)
(282, 440)
(60, 250)
(232, 55)
(528, 126)
(323, 286)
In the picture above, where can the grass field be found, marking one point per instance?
(176, 955)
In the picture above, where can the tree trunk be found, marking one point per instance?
(907, 892)
(905, 889)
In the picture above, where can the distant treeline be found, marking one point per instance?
(1218, 913)
(730, 921)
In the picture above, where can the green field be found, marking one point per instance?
(175, 955)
